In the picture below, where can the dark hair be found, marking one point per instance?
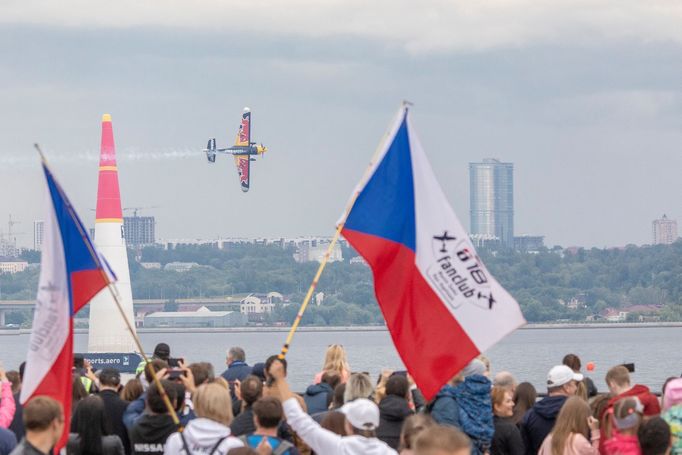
(180, 390)
(15, 379)
(78, 361)
(412, 426)
(155, 401)
(654, 436)
(572, 361)
(339, 392)
(242, 451)
(132, 390)
(335, 422)
(397, 385)
(251, 389)
(155, 365)
(110, 377)
(258, 369)
(22, 368)
(270, 360)
(268, 411)
(78, 391)
(91, 425)
(332, 378)
(162, 351)
(202, 372)
(40, 412)
(524, 399)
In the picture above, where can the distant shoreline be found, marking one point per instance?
(360, 328)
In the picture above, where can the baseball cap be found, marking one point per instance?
(162, 351)
(560, 375)
(362, 414)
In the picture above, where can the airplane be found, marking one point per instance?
(243, 150)
(444, 238)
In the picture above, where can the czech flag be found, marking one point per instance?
(440, 304)
(71, 273)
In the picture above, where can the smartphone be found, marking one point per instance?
(175, 373)
(175, 362)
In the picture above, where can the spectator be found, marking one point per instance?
(442, 440)
(161, 352)
(318, 397)
(507, 437)
(78, 392)
(7, 406)
(505, 380)
(335, 360)
(358, 386)
(335, 422)
(412, 427)
(575, 432)
(132, 390)
(672, 412)
(267, 415)
(237, 368)
(538, 422)
(151, 430)
(114, 406)
(210, 431)
(135, 409)
(621, 426)
(465, 404)
(654, 437)
(586, 387)
(250, 391)
(258, 370)
(17, 425)
(44, 425)
(393, 410)
(8, 441)
(362, 415)
(525, 396)
(92, 432)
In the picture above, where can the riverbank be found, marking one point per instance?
(359, 328)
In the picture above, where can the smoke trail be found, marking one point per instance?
(15, 160)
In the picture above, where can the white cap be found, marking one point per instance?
(362, 413)
(560, 375)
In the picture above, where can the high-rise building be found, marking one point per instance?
(664, 231)
(38, 230)
(491, 200)
(139, 230)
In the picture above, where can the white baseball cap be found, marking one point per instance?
(560, 375)
(362, 414)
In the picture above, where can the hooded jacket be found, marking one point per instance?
(318, 397)
(393, 410)
(150, 432)
(622, 444)
(326, 442)
(468, 407)
(643, 394)
(507, 438)
(539, 421)
(202, 435)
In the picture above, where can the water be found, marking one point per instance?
(527, 353)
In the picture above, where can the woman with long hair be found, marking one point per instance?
(335, 360)
(575, 432)
(507, 438)
(524, 399)
(91, 435)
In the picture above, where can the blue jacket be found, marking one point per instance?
(468, 407)
(7, 441)
(317, 397)
(539, 421)
(134, 411)
(236, 370)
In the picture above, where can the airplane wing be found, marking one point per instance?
(243, 163)
(244, 134)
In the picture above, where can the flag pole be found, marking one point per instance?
(342, 222)
(116, 297)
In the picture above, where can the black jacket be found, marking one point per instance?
(111, 445)
(243, 423)
(393, 410)
(150, 432)
(114, 407)
(539, 421)
(507, 438)
(17, 425)
(318, 397)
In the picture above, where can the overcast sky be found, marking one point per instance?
(584, 97)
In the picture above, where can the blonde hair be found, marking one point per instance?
(335, 360)
(212, 401)
(498, 394)
(572, 419)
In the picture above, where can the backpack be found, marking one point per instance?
(282, 448)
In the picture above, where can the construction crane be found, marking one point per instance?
(135, 209)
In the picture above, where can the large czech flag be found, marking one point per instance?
(71, 273)
(440, 304)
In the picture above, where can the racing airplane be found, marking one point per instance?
(243, 150)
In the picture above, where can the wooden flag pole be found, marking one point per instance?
(114, 294)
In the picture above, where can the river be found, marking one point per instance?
(529, 354)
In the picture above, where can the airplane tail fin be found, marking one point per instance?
(210, 150)
(244, 134)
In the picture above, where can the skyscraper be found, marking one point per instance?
(664, 231)
(38, 229)
(139, 230)
(491, 200)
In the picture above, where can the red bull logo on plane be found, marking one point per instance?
(244, 128)
(243, 169)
